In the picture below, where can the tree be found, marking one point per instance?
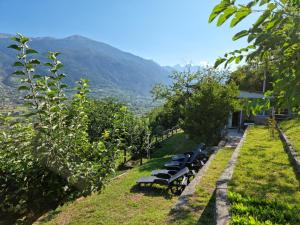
(251, 78)
(47, 156)
(207, 109)
(273, 39)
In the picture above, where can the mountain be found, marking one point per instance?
(182, 68)
(106, 67)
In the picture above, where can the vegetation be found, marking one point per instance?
(273, 42)
(264, 188)
(200, 209)
(199, 102)
(121, 202)
(207, 109)
(48, 155)
(291, 128)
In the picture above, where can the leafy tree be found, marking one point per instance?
(48, 156)
(251, 78)
(208, 108)
(274, 38)
(101, 117)
(200, 102)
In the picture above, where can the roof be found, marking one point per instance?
(251, 95)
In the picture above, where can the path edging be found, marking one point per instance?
(222, 215)
(288, 146)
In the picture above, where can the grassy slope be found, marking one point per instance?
(263, 170)
(292, 129)
(120, 202)
(201, 204)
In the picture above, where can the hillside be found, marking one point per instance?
(108, 68)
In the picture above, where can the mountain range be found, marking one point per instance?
(108, 68)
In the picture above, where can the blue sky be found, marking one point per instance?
(168, 31)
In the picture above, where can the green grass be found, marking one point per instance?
(264, 173)
(120, 202)
(201, 205)
(292, 129)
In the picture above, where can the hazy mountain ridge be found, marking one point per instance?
(104, 65)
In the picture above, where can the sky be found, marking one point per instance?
(167, 31)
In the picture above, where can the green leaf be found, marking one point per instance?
(24, 39)
(252, 3)
(48, 64)
(240, 15)
(59, 65)
(217, 10)
(262, 18)
(16, 47)
(19, 72)
(23, 88)
(63, 86)
(31, 51)
(251, 37)
(238, 59)
(230, 60)
(227, 14)
(16, 39)
(272, 6)
(262, 2)
(61, 76)
(34, 61)
(240, 34)
(18, 64)
(219, 61)
(37, 76)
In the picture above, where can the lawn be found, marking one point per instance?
(264, 186)
(201, 205)
(292, 130)
(120, 202)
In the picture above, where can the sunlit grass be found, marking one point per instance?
(264, 173)
(201, 205)
(292, 129)
(120, 202)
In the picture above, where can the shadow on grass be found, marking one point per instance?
(153, 191)
(49, 216)
(190, 214)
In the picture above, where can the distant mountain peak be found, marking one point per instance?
(77, 37)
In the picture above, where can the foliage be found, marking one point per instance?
(182, 101)
(101, 117)
(207, 109)
(251, 78)
(121, 202)
(249, 210)
(273, 41)
(113, 123)
(52, 143)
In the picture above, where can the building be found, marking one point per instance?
(240, 118)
